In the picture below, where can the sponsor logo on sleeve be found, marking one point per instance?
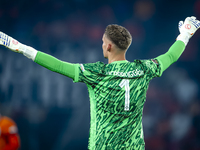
(155, 61)
(82, 67)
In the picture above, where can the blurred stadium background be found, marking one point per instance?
(52, 112)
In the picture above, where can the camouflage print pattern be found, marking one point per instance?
(113, 125)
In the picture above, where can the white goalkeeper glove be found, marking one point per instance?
(16, 46)
(188, 28)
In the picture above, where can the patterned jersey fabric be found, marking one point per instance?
(117, 94)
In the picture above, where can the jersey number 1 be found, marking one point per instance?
(125, 83)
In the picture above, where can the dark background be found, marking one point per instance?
(52, 112)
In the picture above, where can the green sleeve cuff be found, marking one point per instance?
(76, 78)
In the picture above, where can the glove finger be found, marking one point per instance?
(180, 24)
(193, 17)
(195, 23)
(1, 38)
(198, 24)
(187, 19)
(4, 39)
(1, 35)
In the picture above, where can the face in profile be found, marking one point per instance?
(105, 46)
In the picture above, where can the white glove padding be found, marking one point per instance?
(188, 28)
(16, 46)
(11, 43)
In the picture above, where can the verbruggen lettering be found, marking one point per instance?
(133, 73)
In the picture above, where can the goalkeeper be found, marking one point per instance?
(117, 90)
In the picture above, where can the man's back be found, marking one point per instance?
(117, 95)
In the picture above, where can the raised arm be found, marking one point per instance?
(41, 58)
(187, 30)
(171, 55)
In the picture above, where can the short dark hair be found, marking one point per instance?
(119, 35)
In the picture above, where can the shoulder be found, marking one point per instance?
(93, 67)
(147, 62)
(150, 66)
(96, 64)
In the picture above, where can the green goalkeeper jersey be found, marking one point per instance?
(117, 94)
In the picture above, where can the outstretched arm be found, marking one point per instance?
(56, 65)
(187, 30)
(41, 58)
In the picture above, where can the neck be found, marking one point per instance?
(116, 58)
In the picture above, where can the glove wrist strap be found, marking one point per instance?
(29, 52)
(184, 37)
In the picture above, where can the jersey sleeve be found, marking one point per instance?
(171, 56)
(155, 67)
(151, 67)
(55, 65)
(88, 73)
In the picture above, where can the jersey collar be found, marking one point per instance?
(120, 61)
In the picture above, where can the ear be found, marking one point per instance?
(109, 47)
